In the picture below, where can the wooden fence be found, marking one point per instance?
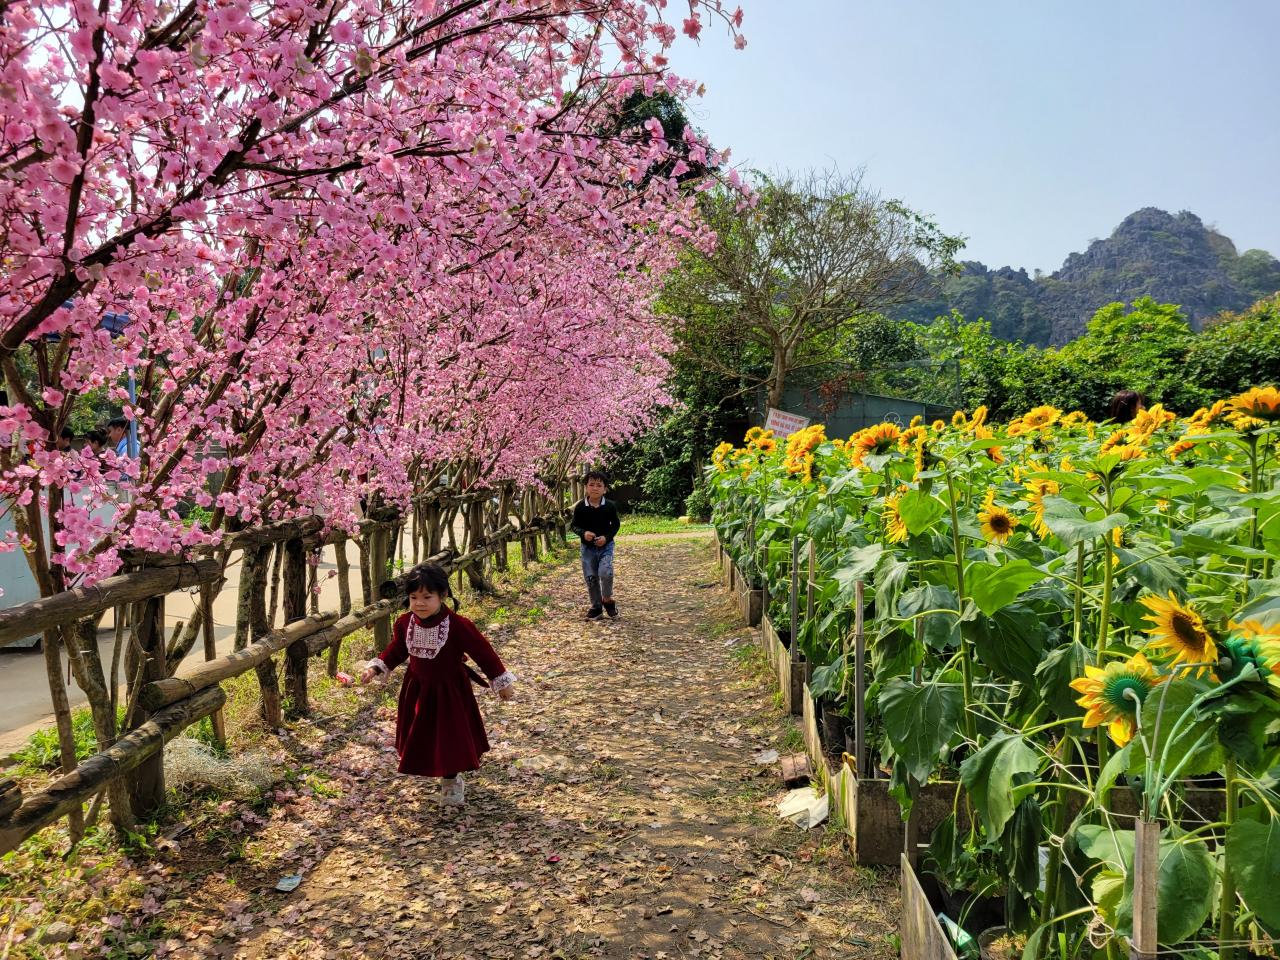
(161, 705)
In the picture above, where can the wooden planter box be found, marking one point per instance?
(779, 658)
(920, 933)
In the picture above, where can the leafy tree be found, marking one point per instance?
(1237, 350)
(1141, 348)
(1257, 273)
(791, 271)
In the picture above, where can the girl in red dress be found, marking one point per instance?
(439, 730)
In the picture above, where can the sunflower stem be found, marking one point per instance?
(1253, 510)
(1079, 583)
(966, 667)
(1227, 905)
(1104, 625)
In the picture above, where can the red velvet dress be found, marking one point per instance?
(439, 730)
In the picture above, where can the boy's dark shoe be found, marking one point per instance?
(595, 613)
(612, 610)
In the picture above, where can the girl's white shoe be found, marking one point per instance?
(453, 791)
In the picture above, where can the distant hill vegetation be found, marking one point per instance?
(1172, 258)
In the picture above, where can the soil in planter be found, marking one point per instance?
(834, 725)
(973, 913)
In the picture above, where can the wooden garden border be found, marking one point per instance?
(166, 705)
(871, 818)
(878, 814)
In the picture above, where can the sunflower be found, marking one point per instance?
(1147, 422)
(1180, 632)
(1178, 449)
(986, 433)
(939, 426)
(1106, 694)
(804, 441)
(755, 433)
(1115, 440)
(925, 460)
(880, 439)
(1260, 645)
(916, 421)
(1260, 403)
(1039, 418)
(909, 437)
(720, 453)
(959, 418)
(1037, 490)
(1202, 418)
(895, 528)
(978, 419)
(998, 523)
(767, 445)
(1074, 418)
(1066, 466)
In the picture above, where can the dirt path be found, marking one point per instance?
(620, 814)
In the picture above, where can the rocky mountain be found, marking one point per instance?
(1173, 258)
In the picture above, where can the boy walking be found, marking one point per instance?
(595, 521)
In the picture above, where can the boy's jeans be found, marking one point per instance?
(597, 570)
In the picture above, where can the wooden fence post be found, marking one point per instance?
(378, 573)
(794, 597)
(218, 718)
(295, 608)
(1146, 866)
(147, 789)
(344, 600)
(862, 760)
(260, 626)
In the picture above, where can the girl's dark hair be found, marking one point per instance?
(1125, 405)
(431, 577)
(595, 475)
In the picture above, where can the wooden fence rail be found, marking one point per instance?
(36, 616)
(166, 705)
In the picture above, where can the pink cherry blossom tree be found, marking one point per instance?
(356, 244)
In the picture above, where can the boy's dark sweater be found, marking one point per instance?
(602, 520)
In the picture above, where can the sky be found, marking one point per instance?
(1028, 126)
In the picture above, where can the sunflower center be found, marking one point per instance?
(1114, 691)
(1187, 631)
(1000, 523)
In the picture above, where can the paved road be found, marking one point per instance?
(24, 689)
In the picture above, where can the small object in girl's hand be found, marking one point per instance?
(344, 678)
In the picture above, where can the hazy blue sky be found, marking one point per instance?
(1029, 126)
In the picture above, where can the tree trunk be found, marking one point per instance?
(92, 680)
(344, 600)
(260, 626)
(274, 606)
(147, 789)
(777, 379)
(295, 608)
(378, 544)
(62, 717)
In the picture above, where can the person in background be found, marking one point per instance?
(63, 443)
(97, 441)
(596, 521)
(118, 435)
(1125, 405)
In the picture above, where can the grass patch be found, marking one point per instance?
(792, 739)
(40, 753)
(638, 523)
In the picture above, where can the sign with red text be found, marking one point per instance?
(784, 424)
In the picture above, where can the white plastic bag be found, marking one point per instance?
(805, 807)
